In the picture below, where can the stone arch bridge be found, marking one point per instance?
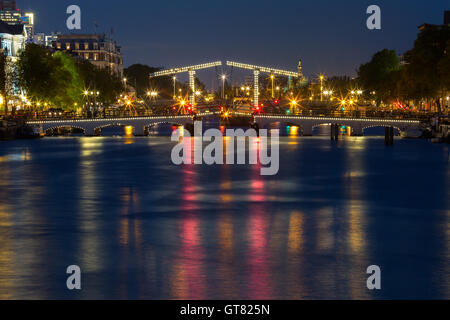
(92, 127)
(307, 124)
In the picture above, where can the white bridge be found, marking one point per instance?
(307, 124)
(92, 127)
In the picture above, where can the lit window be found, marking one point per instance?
(95, 56)
(86, 56)
(86, 46)
(77, 46)
(58, 45)
(67, 46)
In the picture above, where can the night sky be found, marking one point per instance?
(330, 36)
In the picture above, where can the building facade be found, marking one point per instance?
(11, 17)
(12, 39)
(100, 50)
(10, 14)
(8, 5)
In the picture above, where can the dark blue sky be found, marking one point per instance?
(330, 36)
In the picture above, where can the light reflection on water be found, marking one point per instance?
(140, 227)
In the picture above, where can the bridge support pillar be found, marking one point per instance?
(192, 87)
(139, 131)
(357, 131)
(334, 132)
(256, 88)
(307, 131)
(90, 132)
(389, 136)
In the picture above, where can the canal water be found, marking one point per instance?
(140, 227)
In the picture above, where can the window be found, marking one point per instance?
(86, 46)
(77, 46)
(6, 46)
(68, 46)
(95, 45)
(95, 56)
(86, 56)
(58, 46)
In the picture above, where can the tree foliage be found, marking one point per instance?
(427, 72)
(60, 80)
(99, 80)
(380, 74)
(138, 76)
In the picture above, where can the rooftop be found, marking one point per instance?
(11, 29)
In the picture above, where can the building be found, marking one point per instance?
(12, 38)
(8, 5)
(28, 21)
(45, 39)
(11, 17)
(98, 49)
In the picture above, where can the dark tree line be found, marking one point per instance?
(59, 80)
(424, 75)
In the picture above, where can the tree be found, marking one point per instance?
(138, 76)
(3, 80)
(427, 71)
(99, 80)
(42, 75)
(66, 73)
(378, 74)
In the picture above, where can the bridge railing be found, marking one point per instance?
(359, 114)
(107, 115)
(48, 116)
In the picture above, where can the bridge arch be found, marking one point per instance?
(399, 130)
(98, 129)
(46, 129)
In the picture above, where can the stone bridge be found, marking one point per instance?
(357, 125)
(92, 127)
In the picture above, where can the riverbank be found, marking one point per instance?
(15, 128)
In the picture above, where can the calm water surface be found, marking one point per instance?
(142, 228)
